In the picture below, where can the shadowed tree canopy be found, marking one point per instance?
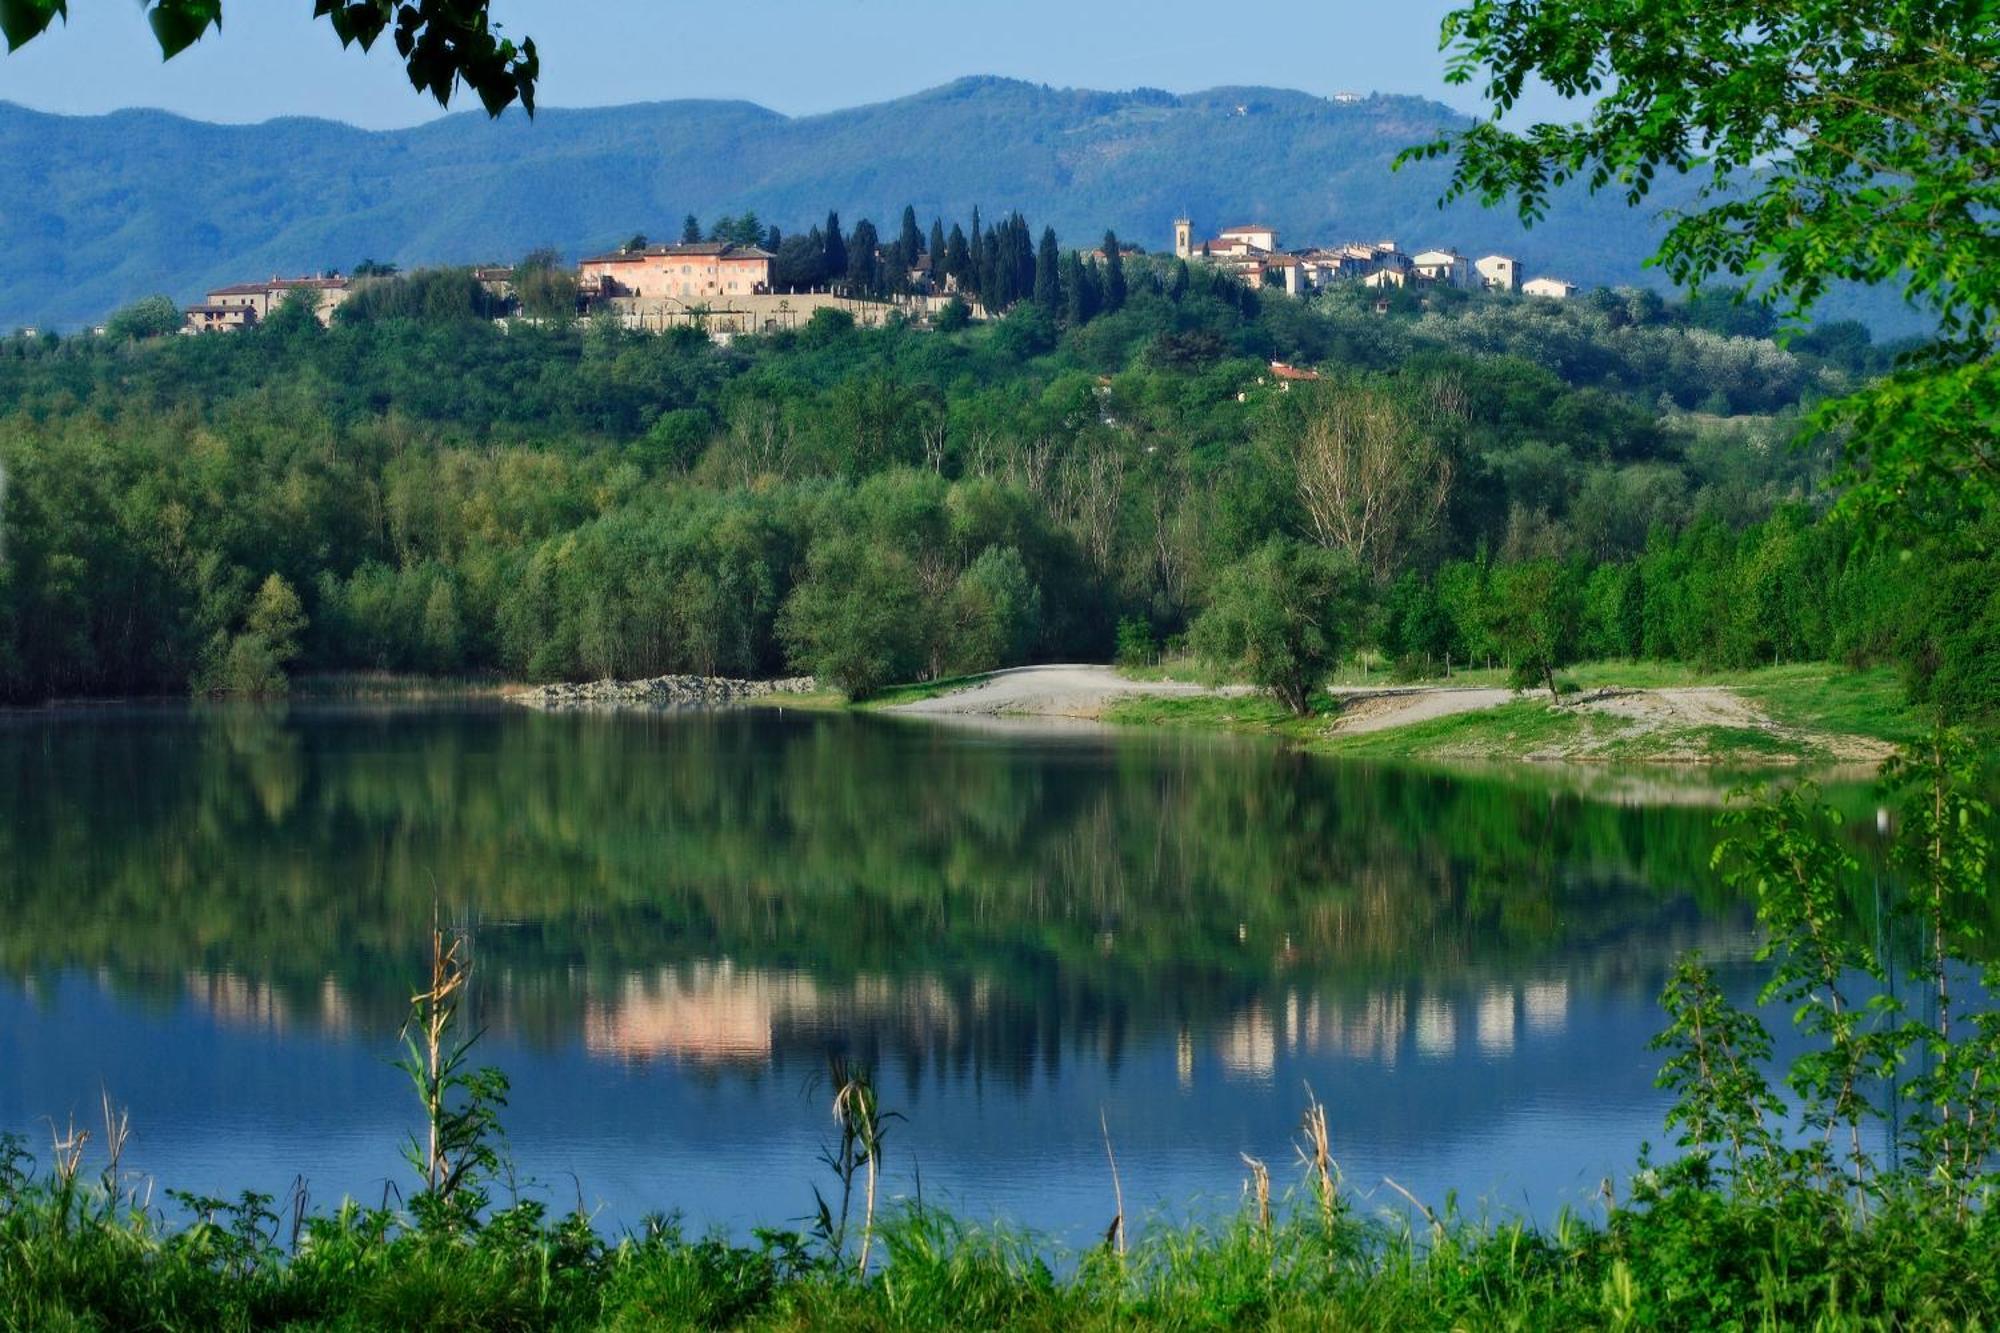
(443, 43)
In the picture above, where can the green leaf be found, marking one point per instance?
(21, 21)
(179, 24)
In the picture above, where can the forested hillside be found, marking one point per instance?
(97, 211)
(443, 495)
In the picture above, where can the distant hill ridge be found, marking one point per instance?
(96, 211)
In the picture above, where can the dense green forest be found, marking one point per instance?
(418, 488)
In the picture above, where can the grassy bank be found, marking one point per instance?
(1810, 712)
(74, 1256)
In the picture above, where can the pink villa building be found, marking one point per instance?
(704, 270)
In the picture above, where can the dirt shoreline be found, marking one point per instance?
(1672, 725)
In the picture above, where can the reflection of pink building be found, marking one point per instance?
(699, 271)
(708, 1013)
(242, 1002)
(717, 1013)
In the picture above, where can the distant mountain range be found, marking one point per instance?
(96, 211)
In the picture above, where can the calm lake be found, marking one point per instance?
(219, 915)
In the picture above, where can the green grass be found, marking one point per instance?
(918, 690)
(1243, 712)
(1681, 1257)
(821, 701)
(1522, 728)
(1867, 703)
(1815, 705)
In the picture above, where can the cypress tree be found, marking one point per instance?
(690, 229)
(976, 268)
(910, 243)
(1114, 273)
(958, 259)
(836, 250)
(936, 251)
(1177, 288)
(1048, 287)
(1021, 254)
(773, 239)
(1076, 290)
(996, 296)
(864, 270)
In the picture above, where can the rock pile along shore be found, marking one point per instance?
(660, 692)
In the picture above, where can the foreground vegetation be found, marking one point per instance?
(1671, 1256)
(1784, 1204)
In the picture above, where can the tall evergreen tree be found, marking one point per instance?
(773, 239)
(990, 290)
(1048, 286)
(835, 266)
(1178, 285)
(864, 266)
(799, 262)
(909, 242)
(958, 259)
(1114, 273)
(1076, 291)
(690, 229)
(976, 267)
(935, 249)
(1021, 255)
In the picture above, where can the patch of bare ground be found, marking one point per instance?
(1366, 710)
(1689, 724)
(1063, 690)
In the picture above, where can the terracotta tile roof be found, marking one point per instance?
(277, 285)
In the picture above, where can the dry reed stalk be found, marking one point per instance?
(1260, 1187)
(854, 1111)
(1437, 1227)
(1317, 1155)
(66, 1150)
(1116, 1231)
(434, 1009)
(117, 1129)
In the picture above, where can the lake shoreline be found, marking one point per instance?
(1778, 717)
(1716, 725)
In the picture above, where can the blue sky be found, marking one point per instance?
(796, 56)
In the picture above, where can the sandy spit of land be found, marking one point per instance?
(1069, 690)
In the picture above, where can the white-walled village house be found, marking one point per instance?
(245, 303)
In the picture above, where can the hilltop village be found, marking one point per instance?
(743, 279)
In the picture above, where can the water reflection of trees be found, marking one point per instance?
(929, 897)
